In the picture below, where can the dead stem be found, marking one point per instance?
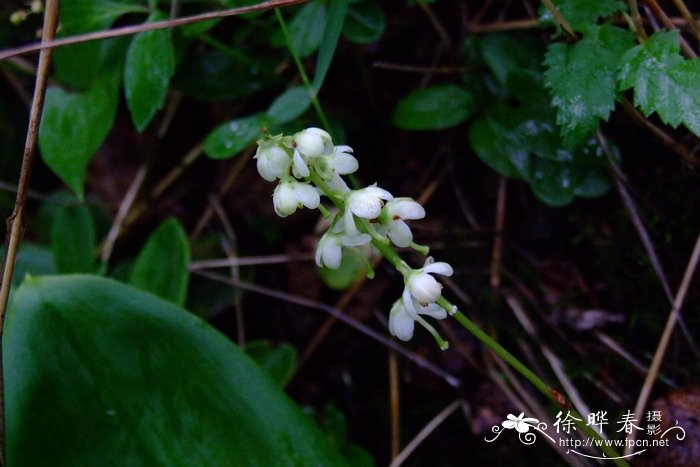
(15, 223)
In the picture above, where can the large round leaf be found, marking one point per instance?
(100, 373)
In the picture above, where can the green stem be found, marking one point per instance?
(393, 257)
(302, 70)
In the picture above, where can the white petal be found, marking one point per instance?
(342, 149)
(284, 200)
(400, 233)
(400, 324)
(355, 240)
(309, 144)
(279, 161)
(405, 208)
(344, 163)
(265, 169)
(300, 168)
(424, 288)
(408, 303)
(349, 221)
(332, 254)
(439, 268)
(433, 310)
(307, 195)
(337, 184)
(377, 192)
(318, 132)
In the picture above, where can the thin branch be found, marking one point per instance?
(425, 432)
(637, 20)
(668, 331)
(135, 29)
(394, 404)
(688, 17)
(15, 223)
(353, 323)
(499, 224)
(558, 17)
(248, 261)
(663, 17)
(444, 70)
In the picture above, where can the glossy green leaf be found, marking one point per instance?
(121, 377)
(289, 105)
(583, 79)
(278, 362)
(161, 267)
(434, 108)
(150, 62)
(78, 65)
(504, 53)
(365, 22)
(230, 138)
(74, 125)
(352, 266)
(331, 34)
(663, 81)
(581, 14)
(519, 138)
(73, 239)
(214, 75)
(305, 29)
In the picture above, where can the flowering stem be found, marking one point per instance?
(302, 71)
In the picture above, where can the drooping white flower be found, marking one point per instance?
(290, 195)
(422, 286)
(330, 248)
(366, 203)
(273, 162)
(402, 318)
(313, 142)
(393, 216)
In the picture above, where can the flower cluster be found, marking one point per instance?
(307, 166)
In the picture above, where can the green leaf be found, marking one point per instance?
(214, 75)
(150, 62)
(583, 79)
(352, 265)
(230, 138)
(289, 105)
(519, 138)
(278, 362)
(331, 35)
(36, 260)
(581, 14)
(73, 240)
(161, 267)
(365, 22)
(74, 125)
(434, 108)
(121, 377)
(78, 65)
(504, 53)
(305, 29)
(663, 81)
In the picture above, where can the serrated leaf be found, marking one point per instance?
(278, 362)
(583, 79)
(581, 14)
(230, 138)
(434, 108)
(150, 63)
(663, 81)
(74, 125)
(365, 22)
(79, 64)
(121, 377)
(161, 267)
(337, 11)
(73, 239)
(521, 140)
(289, 105)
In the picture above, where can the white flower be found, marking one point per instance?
(329, 251)
(299, 167)
(273, 162)
(402, 318)
(313, 142)
(422, 286)
(393, 217)
(366, 203)
(340, 161)
(290, 195)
